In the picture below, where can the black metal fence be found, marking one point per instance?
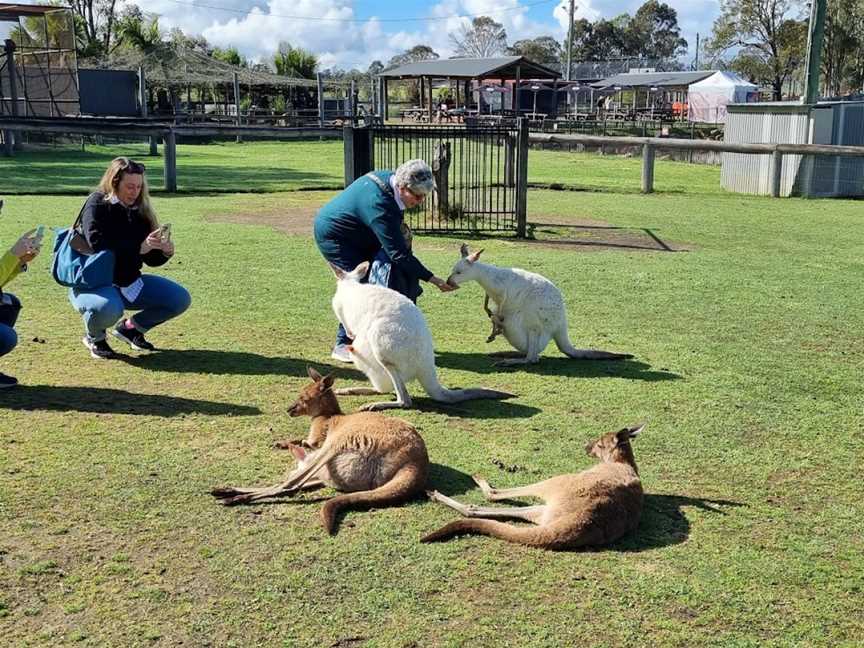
(480, 173)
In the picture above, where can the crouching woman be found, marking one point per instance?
(118, 217)
(12, 263)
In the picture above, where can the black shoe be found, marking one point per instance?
(132, 337)
(7, 381)
(99, 350)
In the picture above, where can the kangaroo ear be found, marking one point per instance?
(314, 375)
(361, 270)
(328, 381)
(630, 433)
(464, 250)
(298, 451)
(476, 255)
(339, 272)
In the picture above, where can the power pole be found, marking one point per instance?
(814, 50)
(569, 46)
(696, 65)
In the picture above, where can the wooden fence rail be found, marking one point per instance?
(650, 145)
(168, 133)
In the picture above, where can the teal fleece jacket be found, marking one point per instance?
(366, 219)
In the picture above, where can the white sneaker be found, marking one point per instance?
(340, 352)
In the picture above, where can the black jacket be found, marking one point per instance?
(122, 230)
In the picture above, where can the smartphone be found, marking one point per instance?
(37, 236)
(165, 231)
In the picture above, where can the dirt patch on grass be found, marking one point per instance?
(294, 221)
(548, 231)
(588, 234)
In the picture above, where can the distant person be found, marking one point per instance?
(366, 218)
(119, 217)
(12, 264)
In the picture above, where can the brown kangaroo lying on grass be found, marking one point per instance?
(594, 507)
(374, 459)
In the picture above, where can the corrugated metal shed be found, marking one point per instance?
(654, 79)
(839, 123)
(771, 123)
(472, 68)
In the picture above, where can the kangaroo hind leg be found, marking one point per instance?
(403, 398)
(527, 513)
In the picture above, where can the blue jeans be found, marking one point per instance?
(159, 301)
(345, 257)
(8, 317)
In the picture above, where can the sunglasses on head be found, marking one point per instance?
(131, 166)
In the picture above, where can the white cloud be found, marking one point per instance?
(258, 26)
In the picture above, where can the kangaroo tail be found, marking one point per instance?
(562, 341)
(407, 482)
(532, 536)
(436, 391)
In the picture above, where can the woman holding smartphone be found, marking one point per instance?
(12, 263)
(118, 217)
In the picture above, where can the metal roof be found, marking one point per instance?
(655, 79)
(16, 10)
(473, 68)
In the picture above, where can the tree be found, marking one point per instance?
(135, 31)
(194, 43)
(95, 23)
(771, 37)
(485, 38)
(295, 62)
(229, 55)
(416, 53)
(843, 46)
(375, 68)
(543, 49)
(653, 32)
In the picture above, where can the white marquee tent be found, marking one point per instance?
(707, 99)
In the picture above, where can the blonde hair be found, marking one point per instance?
(119, 167)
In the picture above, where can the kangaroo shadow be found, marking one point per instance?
(449, 481)
(101, 400)
(234, 362)
(485, 364)
(484, 409)
(664, 523)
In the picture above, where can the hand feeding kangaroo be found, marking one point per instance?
(374, 459)
(594, 507)
(392, 343)
(526, 307)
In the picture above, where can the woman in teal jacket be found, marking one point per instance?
(366, 218)
(11, 265)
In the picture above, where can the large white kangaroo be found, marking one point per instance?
(525, 306)
(392, 343)
(594, 507)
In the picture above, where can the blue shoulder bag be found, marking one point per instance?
(75, 263)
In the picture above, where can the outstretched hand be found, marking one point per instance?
(26, 248)
(442, 285)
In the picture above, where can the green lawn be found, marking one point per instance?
(748, 359)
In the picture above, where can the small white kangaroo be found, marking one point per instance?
(375, 459)
(594, 507)
(392, 343)
(525, 306)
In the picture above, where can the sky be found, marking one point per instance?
(353, 33)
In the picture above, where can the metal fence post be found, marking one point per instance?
(142, 100)
(522, 178)
(358, 152)
(237, 103)
(169, 141)
(647, 168)
(320, 100)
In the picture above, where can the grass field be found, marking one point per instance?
(748, 359)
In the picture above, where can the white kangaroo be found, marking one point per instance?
(392, 343)
(527, 306)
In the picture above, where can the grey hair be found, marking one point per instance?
(416, 176)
